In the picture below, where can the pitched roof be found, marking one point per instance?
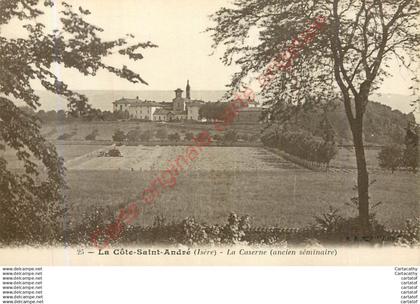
(145, 104)
(122, 101)
(137, 102)
(179, 112)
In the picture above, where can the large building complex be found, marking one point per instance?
(179, 109)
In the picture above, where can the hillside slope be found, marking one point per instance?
(382, 125)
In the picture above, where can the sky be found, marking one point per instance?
(177, 27)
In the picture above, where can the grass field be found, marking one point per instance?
(346, 158)
(149, 158)
(249, 181)
(65, 151)
(245, 180)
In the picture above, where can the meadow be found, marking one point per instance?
(346, 159)
(245, 180)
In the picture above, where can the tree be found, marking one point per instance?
(411, 151)
(92, 135)
(162, 133)
(61, 115)
(343, 52)
(31, 201)
(121, 114)
(108, 116)
(174, 137)
(132, 135)
(325, 129)
(213, 111)
(51, 115)
(31, 206)
(189, 136)
(146, 135)
(217, 137)
(390, 157)
(244, 137)
(28, 110)
(327, 151)
(119, 136)
(94, 114)
(230, 136)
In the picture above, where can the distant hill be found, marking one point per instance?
(398, 102)
(382, 124)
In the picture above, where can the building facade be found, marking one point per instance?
(142, 110)
(193, 108)
(179, 109)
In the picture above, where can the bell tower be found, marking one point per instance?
(178, 93)
(178, 101)
(188, 90)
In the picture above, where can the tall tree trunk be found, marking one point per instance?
(362, 177)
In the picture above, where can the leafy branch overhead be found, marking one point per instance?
(350, 55)
(31, 200)
(76, 44)
(345, 62)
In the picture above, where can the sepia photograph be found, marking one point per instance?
(209, 128)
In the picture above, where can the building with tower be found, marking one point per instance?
(181, 108)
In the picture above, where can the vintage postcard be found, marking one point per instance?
(209, 132)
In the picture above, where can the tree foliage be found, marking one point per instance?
(27, 195)
(189, 136)
(92, 135)
(354, 47)
(174, 137)
(394, 156)
(346, 60)
(302, 144)
(31, 200)
(325, 129)
(132, 135)
(390, 157)
(411, 151)
(162, 133)
(120, 136)
(146, 135)
(213, 111)
(230, 136)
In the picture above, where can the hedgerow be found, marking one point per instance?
(302, 144)
(328, 228)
